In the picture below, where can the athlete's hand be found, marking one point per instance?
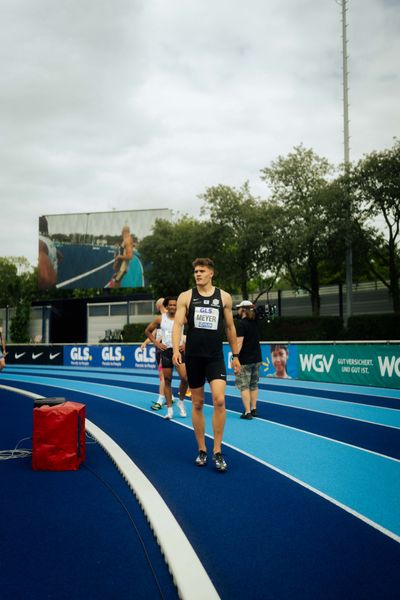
(161, 346)
(177, 358)
(235, 365)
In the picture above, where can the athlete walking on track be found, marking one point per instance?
(165, 322)
(2, 350)
(208, 311)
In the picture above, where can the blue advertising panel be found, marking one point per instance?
(112, 356)
(278, 360)
(364, 364)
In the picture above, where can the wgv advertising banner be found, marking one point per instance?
(113, 356)
(375, 365)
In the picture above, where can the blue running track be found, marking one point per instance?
(310, 505)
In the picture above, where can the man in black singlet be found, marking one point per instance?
(208, 311)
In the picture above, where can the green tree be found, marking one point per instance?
(169, 251)
(17, 290)
(19, 328)
(245, 249)
(342, 222)
(10, 284)
(376, 183)
(301, 190)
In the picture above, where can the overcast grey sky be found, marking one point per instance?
(132, 104)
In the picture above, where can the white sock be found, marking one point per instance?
(161, 399)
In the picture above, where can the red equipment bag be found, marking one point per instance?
(58, 437)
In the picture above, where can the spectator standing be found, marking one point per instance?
(250, 358)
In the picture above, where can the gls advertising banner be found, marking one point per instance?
(376, 365)
(131, 357)
(360, 364)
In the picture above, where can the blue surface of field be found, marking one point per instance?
(310, 505)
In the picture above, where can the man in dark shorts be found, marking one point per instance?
(250, 357)
(165, 322)
(159, 306)
(208, 311)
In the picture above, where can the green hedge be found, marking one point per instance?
(301, 328)
(134, 332)
(360, 327)
(374, 327)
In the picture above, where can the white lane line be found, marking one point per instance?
(277, 469)
(346, 508)
(73, 279)
(189, 575)
(207, 406)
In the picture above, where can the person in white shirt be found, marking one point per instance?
(2, 350)
(165, 322)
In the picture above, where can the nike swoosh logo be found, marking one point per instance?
(35, 356)
(54, 355)
(17, 356)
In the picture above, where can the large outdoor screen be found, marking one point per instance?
(94, 250)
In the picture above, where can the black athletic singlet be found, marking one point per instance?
(205, 328)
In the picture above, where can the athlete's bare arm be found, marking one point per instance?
(128, 249)
(230, 330)
(179, 321)
(146, 342)
(149, 332)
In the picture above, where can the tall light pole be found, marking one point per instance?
(346, 144)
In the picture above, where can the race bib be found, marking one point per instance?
(206, 317)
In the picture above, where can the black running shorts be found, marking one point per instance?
(166, 358)
(202, 368)
(158, 355)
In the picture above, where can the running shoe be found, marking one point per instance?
(181, 407)
(219, 462)
(156, 406)
(254, 412)
(246, 416)
(201, 460)
(170, 413)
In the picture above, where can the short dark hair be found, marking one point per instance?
(274, 347)
(167, 300)
(203, 262)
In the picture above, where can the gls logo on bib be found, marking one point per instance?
(206, 317)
